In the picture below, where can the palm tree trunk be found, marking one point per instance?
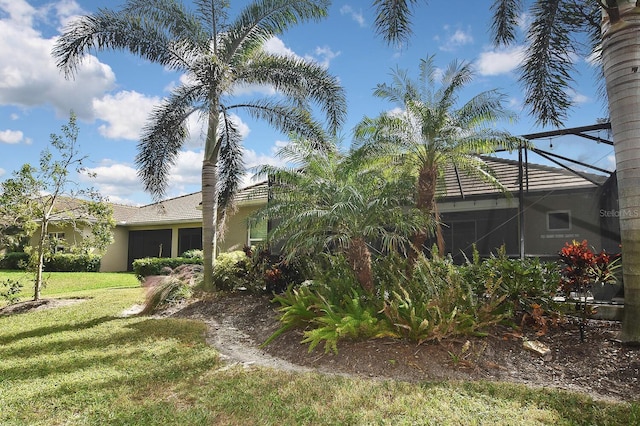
(425, 202)
(210, 197)
(209, 182)
(621, 59)
(359, 258)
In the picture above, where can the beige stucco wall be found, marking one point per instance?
(236, 235)
(115, 257)
(71, 236)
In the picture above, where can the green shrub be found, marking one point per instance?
(524, 282)
(14, 260)
(160, 265)
(231, 271)
(9, 290)
(437, 302)
(193, 254)
(71, 262)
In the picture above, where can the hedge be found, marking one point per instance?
(68, 262)
(14, 260)
(160, 265)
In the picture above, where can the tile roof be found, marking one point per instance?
(540, 178)
(186, 208)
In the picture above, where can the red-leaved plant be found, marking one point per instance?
(583, 266)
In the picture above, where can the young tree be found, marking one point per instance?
(431, 131)
(557, 34)
(39, 196)
(217, 57)
(327, 201)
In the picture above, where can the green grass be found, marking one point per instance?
(57, 284)
(85, 365)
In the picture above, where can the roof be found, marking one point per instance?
(186, 208)
(538, 178)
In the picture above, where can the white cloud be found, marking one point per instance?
(277, 47)
(116, 181)
(28, 74)
(323, 56)
(577, 98)
(2, 171)
(356, 16)
(500, 61)
(453, 40)
(11, 136)
(125, 113)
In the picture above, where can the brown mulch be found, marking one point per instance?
(600, 366)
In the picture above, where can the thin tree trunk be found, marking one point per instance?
(37, 286)
(359, 258)
(621, 59)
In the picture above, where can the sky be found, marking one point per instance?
(113, 92)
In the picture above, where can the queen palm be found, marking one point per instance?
(556, 34)
(217, 57)
(327, 201)
(431, 131)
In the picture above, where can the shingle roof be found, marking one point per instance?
(539, 178)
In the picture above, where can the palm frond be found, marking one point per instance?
(299, 80)
(108, 30)
(393, 20)
(163, 136)
(546, 72)
(506, 14)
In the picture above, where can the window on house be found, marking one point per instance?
(257, 232)
(559, 220)
(56, 239)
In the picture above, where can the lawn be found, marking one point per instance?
(86, 364)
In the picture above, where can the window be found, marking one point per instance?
(56, 239)
(559, 220)
(257, 232)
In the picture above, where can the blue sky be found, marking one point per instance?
(113, 92)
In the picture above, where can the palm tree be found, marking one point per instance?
(327, 201)
(431, 132)
(612, 27)
(217, 57)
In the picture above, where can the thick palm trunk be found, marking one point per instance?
(621, 59)
(359, 258)
(425, 202)
(210, 197)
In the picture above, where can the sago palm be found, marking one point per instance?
(431, 131)
(217, 56)
(330, 202)
(556, 36)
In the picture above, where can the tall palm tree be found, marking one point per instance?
(217, 57)
(431, 131)
(555, 36)
(327, 201)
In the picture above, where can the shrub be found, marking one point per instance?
(523, 282)
(582, 266)
(193, 254)
(160, 265)
(231, 271)
(14, 260)
(9, 290)
(437, 302)
(71, 262)
(175, 287)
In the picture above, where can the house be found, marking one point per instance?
(543, 208)
(551, 206)
(171, 227)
